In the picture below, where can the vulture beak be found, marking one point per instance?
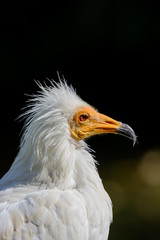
(106, 124)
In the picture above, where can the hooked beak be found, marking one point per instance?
(109, 125)
(127, 131)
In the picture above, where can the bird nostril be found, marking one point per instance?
(109, 122)
(112, 122)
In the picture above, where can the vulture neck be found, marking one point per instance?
(64, 164)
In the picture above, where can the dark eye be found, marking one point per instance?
(83, 117)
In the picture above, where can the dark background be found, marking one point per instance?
(109, 51)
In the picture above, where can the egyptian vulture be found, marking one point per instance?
(53, 190)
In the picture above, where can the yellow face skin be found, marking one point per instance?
(88, 122)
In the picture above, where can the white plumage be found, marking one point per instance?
(52, 190)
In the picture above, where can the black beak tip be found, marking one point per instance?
(127, 131)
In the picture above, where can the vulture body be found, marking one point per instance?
(53, 190)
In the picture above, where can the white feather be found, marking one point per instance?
(53, 190)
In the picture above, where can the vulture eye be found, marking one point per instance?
(83, 117)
